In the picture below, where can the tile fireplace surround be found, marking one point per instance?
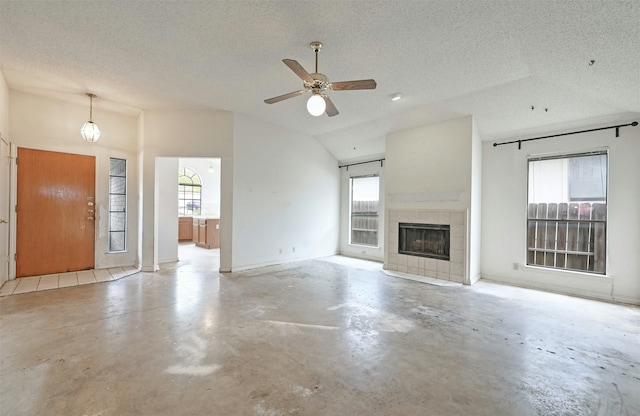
(453, 270)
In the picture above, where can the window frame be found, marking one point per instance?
(596, 225)
(110, 231)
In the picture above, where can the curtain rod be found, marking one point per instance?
(361, 163)
(635, 123)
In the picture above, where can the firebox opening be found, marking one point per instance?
(424, 240)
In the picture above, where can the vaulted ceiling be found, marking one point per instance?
(574, 62)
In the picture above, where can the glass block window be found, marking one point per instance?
(117, 204)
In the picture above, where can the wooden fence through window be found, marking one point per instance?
(568, 236)
(364, 223)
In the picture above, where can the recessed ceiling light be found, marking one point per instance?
(396, 96)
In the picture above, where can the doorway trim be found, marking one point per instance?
(13, 194)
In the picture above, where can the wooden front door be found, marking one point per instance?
(55, 228)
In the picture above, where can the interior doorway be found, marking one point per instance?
(189, 212)
(55, 214)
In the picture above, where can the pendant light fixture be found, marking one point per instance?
(90, 132)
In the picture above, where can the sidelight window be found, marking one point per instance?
(117, 204)
(567, 212)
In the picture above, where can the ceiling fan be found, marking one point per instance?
(317, 84)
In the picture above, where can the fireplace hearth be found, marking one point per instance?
(424, 240)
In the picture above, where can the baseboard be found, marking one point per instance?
(563, 290)
(273, 263)
(475, 278)
(627, 299)
(169, 260)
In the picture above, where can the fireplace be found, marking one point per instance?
(450, 260)
(424, 240)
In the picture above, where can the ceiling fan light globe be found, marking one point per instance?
(90, 132)
(316, 105)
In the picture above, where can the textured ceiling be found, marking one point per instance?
(490, 59)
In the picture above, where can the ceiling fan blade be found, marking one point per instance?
(284, 97)
(361, 84)
(298, 69)
(331, 109)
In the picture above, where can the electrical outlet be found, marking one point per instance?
(293, 249)
(281, 251)
(364, 252)
(516, 266)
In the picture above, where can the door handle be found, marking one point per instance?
(90, 218)
(4, 222)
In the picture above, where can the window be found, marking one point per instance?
(189, 192)
(567, 212)
(364, 210)
(117, 204)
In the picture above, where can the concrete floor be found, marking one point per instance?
(323, 337)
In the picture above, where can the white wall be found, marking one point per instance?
(365, 252)
(4, 107)
(286, 194)
(504, 209)
(38, 122)
(430, 167)
(184, 133)
(167, 203)
(475, 213)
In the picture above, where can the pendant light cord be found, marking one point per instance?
(90, 95)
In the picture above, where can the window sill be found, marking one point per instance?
(572, 273)
(363, 245)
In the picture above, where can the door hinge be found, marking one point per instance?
(15, 257)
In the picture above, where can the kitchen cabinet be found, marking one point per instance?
(196, 229)
(185, 230)
(208, 232)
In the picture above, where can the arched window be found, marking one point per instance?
(189, 192)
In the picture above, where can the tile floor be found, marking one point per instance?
(59, 280)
